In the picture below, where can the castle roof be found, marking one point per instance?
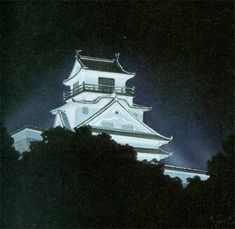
(97, 64)
(100, 115)
(31, 127)
(101, 64)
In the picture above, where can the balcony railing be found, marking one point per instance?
(100, 89)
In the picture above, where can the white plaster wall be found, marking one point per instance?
(75, 114)
(120, 119)
(91, 77)
(150, 156)
(70, 113)
(23, 138)
(27, 133)
(80, 116)
(23, 144)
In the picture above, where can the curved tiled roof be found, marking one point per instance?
(101, 64)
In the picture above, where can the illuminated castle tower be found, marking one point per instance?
(98, 97)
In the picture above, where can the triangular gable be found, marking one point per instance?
(61, 119)
(57, 121)
(115, 116)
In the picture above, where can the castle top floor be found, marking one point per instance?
(97, 71)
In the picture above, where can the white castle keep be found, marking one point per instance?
(98, 97)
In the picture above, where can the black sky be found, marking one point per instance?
(182, 53)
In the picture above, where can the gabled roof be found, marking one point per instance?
(114, 102)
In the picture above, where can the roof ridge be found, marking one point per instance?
(97, 58)
(29, 127)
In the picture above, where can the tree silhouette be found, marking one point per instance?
(211, 203)
(78, 180)
(8, 178)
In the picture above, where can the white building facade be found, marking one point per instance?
(98, 97)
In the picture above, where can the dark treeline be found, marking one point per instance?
(77, 180)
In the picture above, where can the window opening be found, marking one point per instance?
(106, 85)
(85, 110)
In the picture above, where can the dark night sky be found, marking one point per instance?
(182, 53)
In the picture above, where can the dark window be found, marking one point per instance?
(106, 85)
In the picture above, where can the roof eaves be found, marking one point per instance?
(27, 127)
(136, 106)
(92, 101)
(66, 80)
(121, 68)
(54, 111)
(126, 133)
(152, 151)
(184, 169)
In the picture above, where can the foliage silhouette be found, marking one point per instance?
(78, 180)
(8, 175)
(211, 203)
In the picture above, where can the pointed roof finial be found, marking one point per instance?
(117, 55)
(78, 53)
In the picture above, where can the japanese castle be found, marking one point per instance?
(98, 97)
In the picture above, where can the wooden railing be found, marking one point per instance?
(100, 89)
